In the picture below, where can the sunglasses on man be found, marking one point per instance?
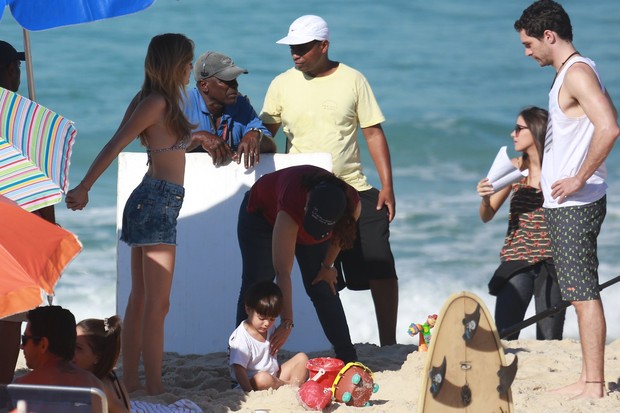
(25, 339)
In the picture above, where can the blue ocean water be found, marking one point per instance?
(450, 77)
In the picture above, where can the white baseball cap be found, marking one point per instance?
(306, 29)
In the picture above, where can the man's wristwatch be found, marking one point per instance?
(288, 324)
(260, 133)
(327, 267)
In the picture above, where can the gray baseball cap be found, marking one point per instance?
(218, 65)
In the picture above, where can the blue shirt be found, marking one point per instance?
(237, 119)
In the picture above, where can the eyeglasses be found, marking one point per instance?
(25, 339)
(519, 128)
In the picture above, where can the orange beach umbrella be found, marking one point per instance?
(33, 254)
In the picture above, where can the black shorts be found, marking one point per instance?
(371, 256)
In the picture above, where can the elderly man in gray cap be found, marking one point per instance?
(228, 127)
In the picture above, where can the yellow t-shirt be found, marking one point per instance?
(324, 114)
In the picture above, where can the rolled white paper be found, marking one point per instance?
(503, 172)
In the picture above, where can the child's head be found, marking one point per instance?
(98, 345)
(264, 298)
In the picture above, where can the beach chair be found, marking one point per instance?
(53, 399)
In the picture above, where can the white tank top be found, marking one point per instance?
(566, 147)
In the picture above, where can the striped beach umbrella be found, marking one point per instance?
(35, 148)
(35, 143)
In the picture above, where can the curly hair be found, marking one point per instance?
(545, 15)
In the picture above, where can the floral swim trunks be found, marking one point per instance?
(573, 232)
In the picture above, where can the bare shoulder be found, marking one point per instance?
(75, 376)
(580, 77)
(153, 101)
(581, 67)
(583, 93)
(25, 379)
(148, 111)
(96, 382)
(87, 379)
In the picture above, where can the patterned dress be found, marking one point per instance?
(527, 238)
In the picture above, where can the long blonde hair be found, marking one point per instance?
(165, 67)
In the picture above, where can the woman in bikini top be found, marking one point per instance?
(181, 145)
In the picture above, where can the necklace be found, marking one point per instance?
(562, 65)
(215, 125)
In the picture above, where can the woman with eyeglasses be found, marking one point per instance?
(526, 269)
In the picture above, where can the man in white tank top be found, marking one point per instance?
(582, 130)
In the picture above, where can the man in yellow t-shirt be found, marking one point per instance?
(321, 105)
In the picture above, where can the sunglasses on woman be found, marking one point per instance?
(519, 128)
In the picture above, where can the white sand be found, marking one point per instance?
(398, 369)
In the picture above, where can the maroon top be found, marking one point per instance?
(283, 190)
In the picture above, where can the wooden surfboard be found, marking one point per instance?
(466, 368)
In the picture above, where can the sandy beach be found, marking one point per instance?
(204, 379)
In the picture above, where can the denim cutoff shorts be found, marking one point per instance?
(151, 212)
